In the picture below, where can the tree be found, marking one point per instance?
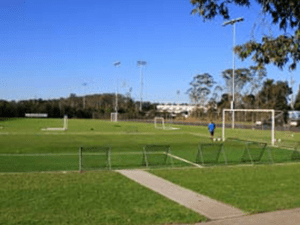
(246, 81)
(224, 103)
(274, 95)
(297, 101)
(278, 50)
(248, 101)
(200, 89)
(216, 94)
(241, 78)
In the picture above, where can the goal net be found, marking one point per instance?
(94, 158)
(210, 154)
(64, 127)
(254, 152)
(156, 155)
(258, 124)
(114, 117)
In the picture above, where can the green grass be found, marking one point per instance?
(252, 189)
(88, 198)
(109, 198)
(24, 136)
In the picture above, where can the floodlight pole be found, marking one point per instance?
(178, 93)
(292, 84)
(141, 64)
(117, 64)
(232, 22)
(84, 85)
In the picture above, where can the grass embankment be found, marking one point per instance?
(89, 198)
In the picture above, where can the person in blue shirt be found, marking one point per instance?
(211, 128)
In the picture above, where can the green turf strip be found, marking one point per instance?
(250, 188)
(88, 198)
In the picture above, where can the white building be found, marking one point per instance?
(178, 109)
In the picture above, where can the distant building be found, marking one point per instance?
(294, 118)
(182, 109)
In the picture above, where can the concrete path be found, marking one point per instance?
(205, 206)
(283, 217)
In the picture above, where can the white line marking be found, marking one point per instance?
(184, 160)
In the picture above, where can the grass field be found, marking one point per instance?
(253, 189)
(102, 197)
(88, 198)
(26, 148)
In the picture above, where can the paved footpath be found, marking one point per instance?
(205, 206)
(219, 213)
(283, 217)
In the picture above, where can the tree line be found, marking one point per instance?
(252, 88)
(97, 105)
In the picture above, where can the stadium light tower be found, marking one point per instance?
(141, 64)
(84, 85)
(117, 64)
(233, 22)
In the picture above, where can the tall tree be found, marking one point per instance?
(241, 78)
(200, 88)
(274, 95)
(247, 81)
(278, 50)
(297, 101)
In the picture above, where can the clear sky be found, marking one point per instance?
(50, 48)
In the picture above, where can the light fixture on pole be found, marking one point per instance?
(84, 85)
(117, 64)
(141, 64)
(233, 22)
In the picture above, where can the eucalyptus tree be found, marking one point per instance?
(248, 81)
(201, 88)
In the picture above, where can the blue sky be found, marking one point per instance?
(49, 49)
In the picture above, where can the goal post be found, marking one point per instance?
(271, 112)
(114, 117)
(66, 122)
(94, 158)
(159, 123)
(65, 126)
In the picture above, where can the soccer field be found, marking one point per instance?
(25, 147)
(102, 197)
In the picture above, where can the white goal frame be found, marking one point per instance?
(114, 117)
(65, 126)
(272, 111)
(163, 122)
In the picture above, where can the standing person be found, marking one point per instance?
(211, 128)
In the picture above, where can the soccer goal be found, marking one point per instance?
(159, 123)
(260, 120)
(157, 155)
(65, 126)
(210, 154)
(114, 117)
(94, 158)
(254, 152)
